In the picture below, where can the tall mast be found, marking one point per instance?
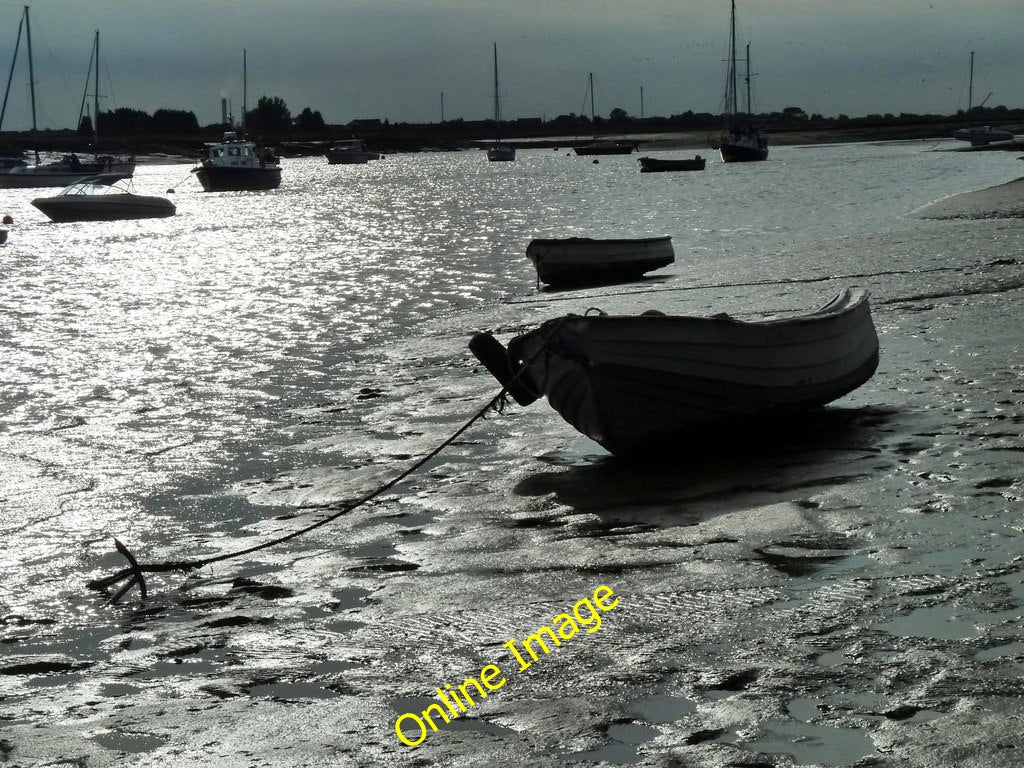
(970, 87)
(747, 78)
(244, 85)
(96, 96)
(31, 81)
(730, 82)
(10, 75)
(592, 102)
(497, 112)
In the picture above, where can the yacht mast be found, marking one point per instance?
(970, 87)
(10, 74)
(96, 96)
(497, 111)
(244, 86)
(747, 78)
(731, 107)
(31, 83)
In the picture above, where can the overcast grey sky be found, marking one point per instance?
(393, 58)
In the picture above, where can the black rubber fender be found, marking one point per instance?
(494, 356)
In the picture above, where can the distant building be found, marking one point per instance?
(365, 124)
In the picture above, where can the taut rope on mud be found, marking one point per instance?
(134, 573)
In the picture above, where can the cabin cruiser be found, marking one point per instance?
(350, 151)
(235, 164)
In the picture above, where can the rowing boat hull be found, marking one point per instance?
(637, 383)
(656, 165)
(584, 261)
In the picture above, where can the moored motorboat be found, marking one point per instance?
(350, 152)
(102, 198)
(638, 383)
(586, 261)
(501, 152)
(655, 164)
(234, 165)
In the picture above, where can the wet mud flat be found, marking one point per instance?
(849, 593)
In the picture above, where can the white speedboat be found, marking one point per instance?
(102, 198)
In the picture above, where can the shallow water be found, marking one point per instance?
(195, 384)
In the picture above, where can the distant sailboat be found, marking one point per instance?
(742, 141)
(498, 151)
(608, 146)
(70, 167)
(979, 135)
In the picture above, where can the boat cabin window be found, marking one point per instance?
(216, 152)
(233, 151)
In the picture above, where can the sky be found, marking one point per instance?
(393, 59)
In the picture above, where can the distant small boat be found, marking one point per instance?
(3, 236)
(585, 261)
(102, 198)
(655, 165)
(607, 147)
(351, 151)
(982, 134)
(639, 383)
(979, 135)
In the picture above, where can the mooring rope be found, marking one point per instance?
(135, 570)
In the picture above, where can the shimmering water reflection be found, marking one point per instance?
(148, 363)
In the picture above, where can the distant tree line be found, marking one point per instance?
(271, 117)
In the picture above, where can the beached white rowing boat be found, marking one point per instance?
(585, 261)
(637, 383)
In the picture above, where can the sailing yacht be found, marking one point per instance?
(979, 135)
(70, 167)
(498, 151)
(743, 141)
(602, 147)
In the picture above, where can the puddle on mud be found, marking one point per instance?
(813, 744)
(622, 749)
(1011, 651)
(938, 622)
(131, 743)
(290, 691)
(661, 708)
